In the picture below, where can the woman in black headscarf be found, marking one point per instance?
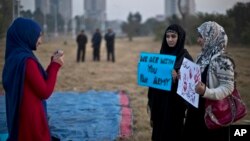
(167, 108)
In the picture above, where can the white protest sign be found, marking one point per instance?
(190, 76)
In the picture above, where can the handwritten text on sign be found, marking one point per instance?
(155, 70)
(190, 76)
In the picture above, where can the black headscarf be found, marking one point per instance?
(178, 50)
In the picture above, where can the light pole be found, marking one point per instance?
(45, 21)
(15, 9)
(56, 31)
(18, 8)
(73, 28)
(55, 18)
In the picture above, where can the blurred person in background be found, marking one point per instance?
(96, 44)
(110, 45)
(81, 41)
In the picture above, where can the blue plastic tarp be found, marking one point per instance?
(80, 116)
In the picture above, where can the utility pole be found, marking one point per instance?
(45, 20)
(18, 8)
(56, 31)
(15, 9)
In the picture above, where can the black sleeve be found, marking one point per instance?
(77, 39)
(188, 56)
(184, 54)
(150, 97)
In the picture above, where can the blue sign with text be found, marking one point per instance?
(155, 70)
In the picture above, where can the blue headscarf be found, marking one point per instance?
(21, 40)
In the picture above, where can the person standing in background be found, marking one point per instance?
(81, 46)
(96, 44)
(26, 84)
(110, 45)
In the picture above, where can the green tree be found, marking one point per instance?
(60, 22)
(225, 21)
(147, 27)
(133, 25)
(137, 23)
(38, 16)
(159, 29)
(91, 24)
(50, 19)
(78, 23)
(245, 34)
(26, 14)
(190, 28)
(5, 16)
(129, 27)
(240, 15)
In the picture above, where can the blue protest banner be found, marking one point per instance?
(155, 70)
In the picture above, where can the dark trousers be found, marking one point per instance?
(80, 53)
(195, 124)
(110, 54)
(96, 54)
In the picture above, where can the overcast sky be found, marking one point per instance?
(119, 9)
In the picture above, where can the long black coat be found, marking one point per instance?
(81, 40)
(167, 107)
(96, 40)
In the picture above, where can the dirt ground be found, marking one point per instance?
(122, 75)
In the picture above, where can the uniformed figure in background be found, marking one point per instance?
(81, 40)
(110, 45)
(96, 44)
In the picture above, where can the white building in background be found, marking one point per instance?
(95, 14)
(171, 7)
(43, 5)
(65, 9)
(55, 7)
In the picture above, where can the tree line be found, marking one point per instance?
(236, 22)
(44, 20)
